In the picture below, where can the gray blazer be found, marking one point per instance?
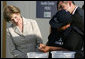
(22, 43)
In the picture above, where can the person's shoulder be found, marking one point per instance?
(29, 20)
(80, 9)
(7, 29)
(25, 19)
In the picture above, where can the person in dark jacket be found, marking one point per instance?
(60, 26)
(77, 21)
(62, 36)
(60, 30)
(77, 14)
(74, 40)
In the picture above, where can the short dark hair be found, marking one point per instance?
(63, 1)
(60, 19)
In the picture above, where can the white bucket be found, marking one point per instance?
(63, 54)
(37, 55)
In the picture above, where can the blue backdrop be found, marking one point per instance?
(45, 9)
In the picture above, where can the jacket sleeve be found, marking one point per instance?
(78, 20)
(37, 32)
(12, 47)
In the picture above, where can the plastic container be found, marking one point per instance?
(37, 55)
(63, 54)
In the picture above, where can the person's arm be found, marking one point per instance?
(45, 48)
(37, 34)
(56, 48)
(64, 27)
(37, 31)
(36, 28)
(12, 47)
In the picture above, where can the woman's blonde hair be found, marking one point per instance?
(9, 10)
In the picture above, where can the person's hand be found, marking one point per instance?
(44, 48)
(64, 27)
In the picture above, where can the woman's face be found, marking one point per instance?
(15, 18)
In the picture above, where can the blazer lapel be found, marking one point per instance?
(17, 30)
(24, 26)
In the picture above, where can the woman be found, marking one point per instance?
(23, 35)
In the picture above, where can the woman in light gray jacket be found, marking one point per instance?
(23, 35)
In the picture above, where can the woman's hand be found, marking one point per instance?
(41, 46)
(44, 48)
